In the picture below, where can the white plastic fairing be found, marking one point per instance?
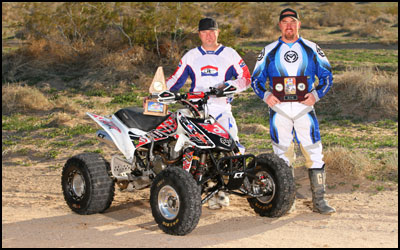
(103, 136)
(118, 132)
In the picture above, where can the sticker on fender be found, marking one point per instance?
(238, 175)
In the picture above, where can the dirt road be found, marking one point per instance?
(34, 214)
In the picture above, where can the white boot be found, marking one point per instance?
(223, 199)
(213, 203)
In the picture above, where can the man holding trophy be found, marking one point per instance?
(290, 64)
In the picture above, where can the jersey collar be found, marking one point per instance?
(281, 41)
(210, 52)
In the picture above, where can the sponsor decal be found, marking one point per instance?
(242, 64)
(261, 55)
(238, 175)
(107, 122)
(320, 52)
(198, 138)
(226, 142)
(171, 224)
(168, 126)
(291, 56)
(215, 129)
(142, 141)
(209, 71)
(187, 160)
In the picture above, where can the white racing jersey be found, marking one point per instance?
(207, 69)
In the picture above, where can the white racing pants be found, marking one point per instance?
(289, 119)
(225, 118)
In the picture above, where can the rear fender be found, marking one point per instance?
(118, 133)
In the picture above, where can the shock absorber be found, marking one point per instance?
(195, 162)
(201, 167)
(187, 158)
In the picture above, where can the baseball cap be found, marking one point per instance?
(208, 24)
(294, 14)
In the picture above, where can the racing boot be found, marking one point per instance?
(213, 203)
(223, 199)
(317, 180)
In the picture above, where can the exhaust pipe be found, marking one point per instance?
(103, 136)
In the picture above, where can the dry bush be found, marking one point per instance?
(97, 42)
(359, 19)
(336, 14)
(391, 167)
(369, 30)
(61, 119)
(64, 103)
(365, 89)
(345, 162)
(260, 21)
(340, 160)
(44, 61)
(23, 99)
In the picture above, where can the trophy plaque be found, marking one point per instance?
(152, 106)
(290, 88)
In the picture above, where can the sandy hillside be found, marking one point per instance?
(34, 214)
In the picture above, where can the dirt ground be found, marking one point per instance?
(34, 214)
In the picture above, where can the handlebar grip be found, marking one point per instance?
(219, 93)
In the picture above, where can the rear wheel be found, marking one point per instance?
(175, 201)
(86, 184)
(275, 180)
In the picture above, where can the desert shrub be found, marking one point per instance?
(366, 89)
(22, 99)
(110, 25)
(336, 14)
(342, 160)
(362, 94)
(61, 119)
(357, 164)
(392, 10)
(361, 20)
(107, 42)
(257, 20)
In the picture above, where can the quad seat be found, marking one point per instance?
(133, 117)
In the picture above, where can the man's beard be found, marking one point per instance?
(290, 36)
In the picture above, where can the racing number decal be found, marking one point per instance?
(215, 129)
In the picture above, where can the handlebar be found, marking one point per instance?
(168, 96)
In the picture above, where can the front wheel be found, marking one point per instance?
(274, 179)
(86, 185)
(175, 201)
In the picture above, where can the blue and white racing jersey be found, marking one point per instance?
(208, 68)
(301, 58)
